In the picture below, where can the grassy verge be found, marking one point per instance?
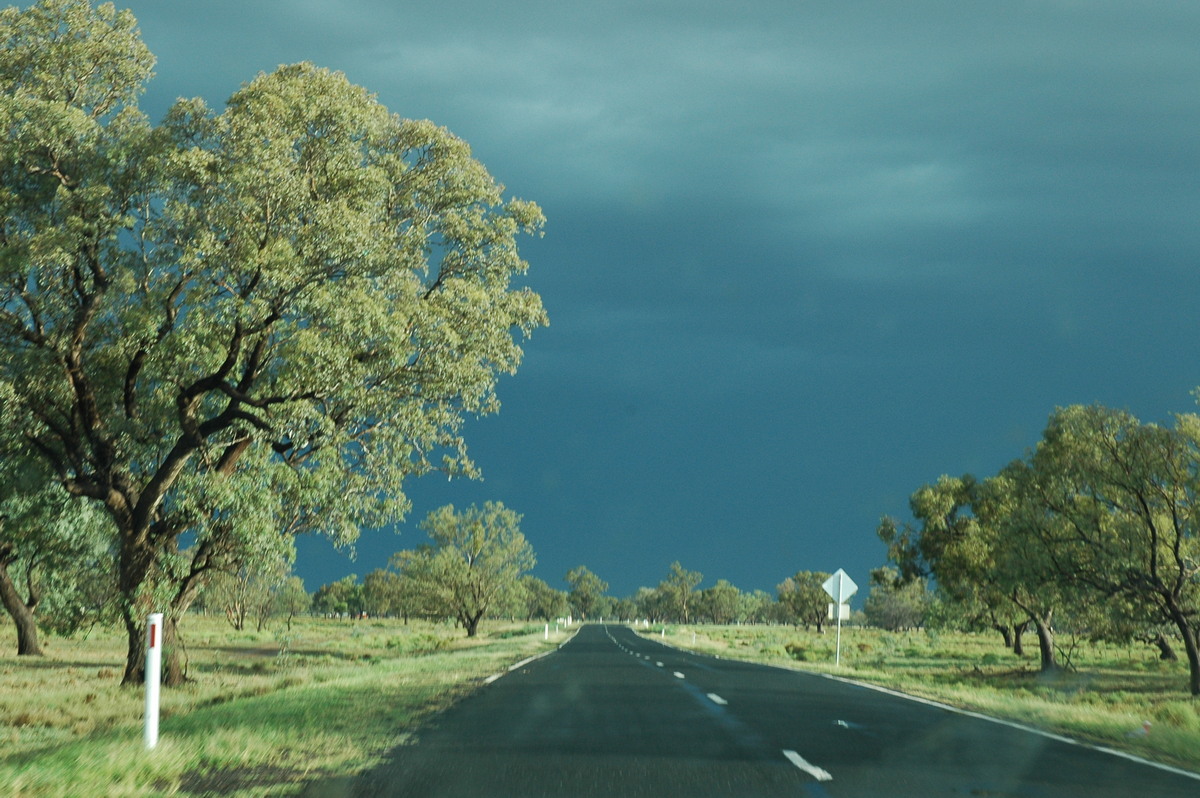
(1104, 698)
(265, 712)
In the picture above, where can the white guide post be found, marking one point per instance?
(840, 588)
(547, 637)
(153, 676)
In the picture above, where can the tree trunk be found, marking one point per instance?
(174, 652)
(471, 622)
(1046, 642)
(1191, 644)
(21, 613)
(133, 567)
(1165, 652)
(1018, 645)
(174, 670)
(135, 653)
(1005, 632)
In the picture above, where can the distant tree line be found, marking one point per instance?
(444, 581)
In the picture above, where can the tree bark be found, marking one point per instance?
(1165, 651)
(1046, 642)
(135, 654)
(1191, 644)
(174, 671)
(1005, 632)
(21, 613)
(133, 568)
(1018, 645)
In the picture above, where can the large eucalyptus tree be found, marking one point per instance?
(241, 323)
(1121, 503)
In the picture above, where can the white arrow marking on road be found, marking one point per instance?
(817, 773)
(716, 699)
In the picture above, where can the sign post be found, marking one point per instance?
(840, 588)
(153, 676)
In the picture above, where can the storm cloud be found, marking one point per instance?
(801, 257)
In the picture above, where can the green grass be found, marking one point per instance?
(1105, 696)
(265, 712)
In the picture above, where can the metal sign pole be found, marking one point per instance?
(840, 588)
(837, 657)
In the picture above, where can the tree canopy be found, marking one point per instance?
(242, 323)
(1098, 526)
(803, 600)
(475, 563)
(586, 591)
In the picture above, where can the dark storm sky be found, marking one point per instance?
(801, 257)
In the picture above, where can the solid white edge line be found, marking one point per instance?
(528, 660)
(1014, 725)
(820, 774)
(716, 699)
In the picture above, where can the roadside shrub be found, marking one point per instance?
(797, 651)
(521, 632)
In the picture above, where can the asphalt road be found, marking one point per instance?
(614, 714)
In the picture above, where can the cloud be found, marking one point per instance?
(830, 249)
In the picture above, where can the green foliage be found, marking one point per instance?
(382, 593)
(586, 591)
(541, 600)
(474, 564)
(679, 591)
(803, 600)
(246, 593)
(720, 603)
(56, 555)
(894, 604)
(341, 598)
(259, 320)
(1096, 532)
(291, 599)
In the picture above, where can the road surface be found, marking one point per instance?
(614, 714)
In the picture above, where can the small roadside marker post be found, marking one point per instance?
(153, 676)
(840, 588)
(547, 637)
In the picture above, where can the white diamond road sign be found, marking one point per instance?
(840, 587)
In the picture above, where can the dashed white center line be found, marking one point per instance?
(659, 664)
(817, 773)
(679, 675)
(716, 699)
